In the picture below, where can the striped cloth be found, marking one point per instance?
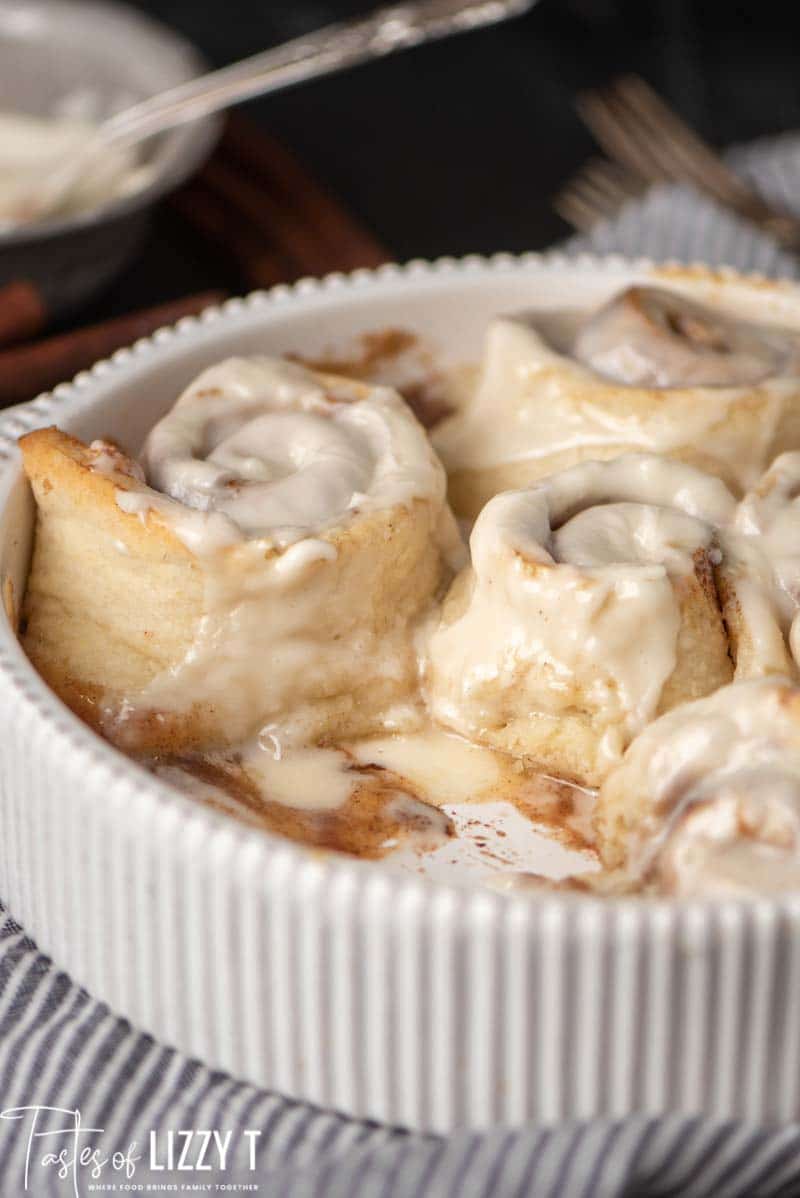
(59, 1048)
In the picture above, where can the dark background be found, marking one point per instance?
(460, 146)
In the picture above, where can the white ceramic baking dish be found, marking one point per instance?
(346, 983)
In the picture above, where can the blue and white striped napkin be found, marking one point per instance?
(59, 1048)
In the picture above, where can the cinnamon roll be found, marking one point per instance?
(707, 799)
(759, 579)
(260, 572)
(589, 608)
(650, 371)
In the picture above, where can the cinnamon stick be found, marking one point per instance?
(29, 369)
(279, 223)
(268, 162)
(256, 204)
(23, 312)
(259, 264)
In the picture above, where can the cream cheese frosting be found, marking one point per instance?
(652, 371)
(297, 467)
(650, 337)
(770, 514)
(707, 799)
(761, 575)
(282, 537)
(283, 453)
(31, 147)
(572, 608)
(426, 801)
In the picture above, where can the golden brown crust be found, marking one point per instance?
(678, 272)
(104, 587)
(59, 468)
(703, 662)
(10, 604)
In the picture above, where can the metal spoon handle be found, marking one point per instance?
(323, 52)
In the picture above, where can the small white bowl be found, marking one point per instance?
(343, 982)
(102, 56)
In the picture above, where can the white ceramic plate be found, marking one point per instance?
(423, 1003)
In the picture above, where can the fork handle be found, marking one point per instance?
(784, 227)
(333, 48)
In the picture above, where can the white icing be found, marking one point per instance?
(636, 533)
(649, 337)
(283, 453)
(763, 558)
(716, 788)
(441, 767)
(596, 623)
(771, 513)
(308, 779)
(261, 470)
(794, 638)
(107, 458)
(502, 816)
(536, 400)
(201, 532)
(271, 634)
(32, 147)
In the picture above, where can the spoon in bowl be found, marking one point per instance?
(323, 52)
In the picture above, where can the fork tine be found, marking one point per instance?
(683, 152)
(576, 211)
(595, 193)
(613, 180)
(600, 111)
(639, 130)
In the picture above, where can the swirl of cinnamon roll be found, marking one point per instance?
(759, 578)
(260, 570)
(589, 608)
(650, 371)
(649, 337)
(707, 799)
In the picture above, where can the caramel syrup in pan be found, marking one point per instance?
(417, 792)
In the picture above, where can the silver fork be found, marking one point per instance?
(642, 133)
(597, 192)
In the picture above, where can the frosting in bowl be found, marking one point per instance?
(31, 147)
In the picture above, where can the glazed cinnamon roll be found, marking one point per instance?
(759, 579)
(707, 799)
(589, 608)
(651, 371)
(260, 571)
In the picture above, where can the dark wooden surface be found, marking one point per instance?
(461, 145)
